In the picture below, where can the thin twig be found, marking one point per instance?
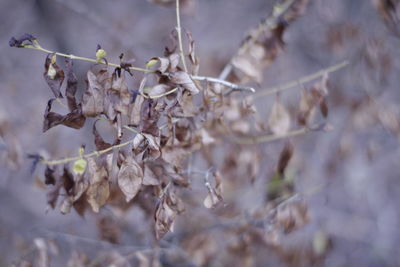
(84, 58)
(161, 95)
(251, 140)
(89, 155)
(234, 87)
(308, 78)
(179, 31)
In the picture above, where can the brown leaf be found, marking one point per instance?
(118, 97)
(72, 86)
(149, 178)
(389, 11)
(183, 79)
(66, 205)
(292, 216)
(214, 196)
(68, 181)
(130, 177)
(49, 176)
(53, 75)
(194, 60)
(98, 140)
(74, 119)
(167, 209)
(93, 98)
(284, 158)
(149, 117)
(99, 188)
(279, 118)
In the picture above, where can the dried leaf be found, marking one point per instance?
(93, 98)
(53, 75)
(99, 188)
(279, 118)
(149, 117)
(66, 205)
(389, 11)
(130, 177)
(149, 178)
(118, 97)
(25, 39)
(284, 158)
(194, 60)
(74, 119)
(98, 140)
(49, 176)
(214, 196)
(68, 181)
(167, 209)
(72, 86)
(292, 216)
(183, 79)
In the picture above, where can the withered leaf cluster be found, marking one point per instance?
(264, 43)
(158, 127)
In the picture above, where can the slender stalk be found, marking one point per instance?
(85, 59)
(234, 87)
(251, 140)
(161, 95)
(89, 155)
(308, 78)
(179, 31)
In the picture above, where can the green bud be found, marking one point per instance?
(79, 166)
(100, 54)
(151, 63)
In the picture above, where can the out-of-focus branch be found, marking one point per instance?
(269, 23)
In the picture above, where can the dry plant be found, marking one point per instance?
(174, 114)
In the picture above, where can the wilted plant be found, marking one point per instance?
(159, 125)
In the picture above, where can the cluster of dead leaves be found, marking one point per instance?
(264, 43)
(169, 124)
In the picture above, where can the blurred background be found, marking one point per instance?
(350, 174)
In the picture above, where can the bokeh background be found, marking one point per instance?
(352, 171)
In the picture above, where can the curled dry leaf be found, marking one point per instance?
(25, 39)
(292, 216)
(72, 86)
(284, 158)
(214, 196)
(279, 118)
(93, 97)
(147, 143)
(53, 75)
(130, 178)
(99, 188)
(49, 176)
(74, 119)
(194, 60)
(310, 99)
(99, 141)
(149, 178)
(118, 97)
(389, 11)
(183, 79)
(167, 208)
